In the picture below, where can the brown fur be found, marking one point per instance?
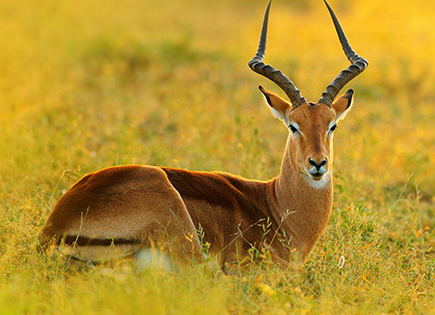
(119, 210)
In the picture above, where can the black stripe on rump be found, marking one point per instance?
(86, 241)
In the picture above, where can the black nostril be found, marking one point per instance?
(317, 165)
(312, 162)
(322, 163)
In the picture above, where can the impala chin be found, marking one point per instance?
(317, 176)
(318, 180)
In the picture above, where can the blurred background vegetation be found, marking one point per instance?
(90, 84)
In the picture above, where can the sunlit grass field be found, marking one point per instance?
(90, 84)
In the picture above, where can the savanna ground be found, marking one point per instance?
(90, 84)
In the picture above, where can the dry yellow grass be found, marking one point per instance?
(90, 84)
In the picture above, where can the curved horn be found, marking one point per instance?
(358, 65)
(257, 65)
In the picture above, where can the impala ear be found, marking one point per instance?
(278, 105)
(343, 104)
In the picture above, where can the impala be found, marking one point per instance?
(128, 210)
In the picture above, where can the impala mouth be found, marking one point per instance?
(316, 174)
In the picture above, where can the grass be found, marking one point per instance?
(99, 83)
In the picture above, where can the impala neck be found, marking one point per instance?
(304, 204)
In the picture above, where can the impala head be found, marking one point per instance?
(311, 125)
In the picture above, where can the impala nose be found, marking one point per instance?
(315, 164)
(317, 171)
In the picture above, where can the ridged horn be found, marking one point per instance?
(257, 65)
(358, 64)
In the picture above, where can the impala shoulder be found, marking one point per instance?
(237, 181)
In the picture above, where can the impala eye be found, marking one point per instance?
(293, 128)
(333, 128)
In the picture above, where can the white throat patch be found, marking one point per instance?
(318, 184)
